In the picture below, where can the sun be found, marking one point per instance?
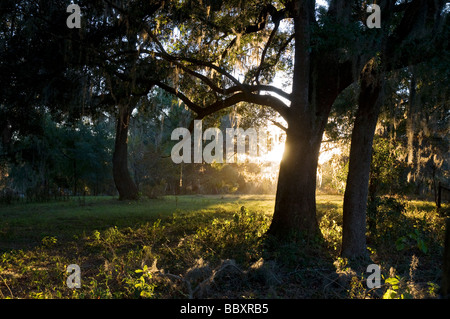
(271, 159)
(271, 147)
(275, 154)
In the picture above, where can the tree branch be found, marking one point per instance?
(266, 47)
(191, 105)
(278, 124)
(266, 100)
(171, 58)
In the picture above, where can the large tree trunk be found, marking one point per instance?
(356, 191)
(318, 79)
(410, 124)
(410, 117)
(295, 203)
(124, 184)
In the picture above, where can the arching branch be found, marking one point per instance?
(260, 99)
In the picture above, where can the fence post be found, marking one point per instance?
(445, 286)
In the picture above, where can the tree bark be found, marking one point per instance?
(124, 183)
(372, 200)
(318, 79)
(356, 191)
(410, 119)
(295, 203)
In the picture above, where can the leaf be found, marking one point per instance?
(400, 243)
(390, 294)
(393, 281)
(422, 246)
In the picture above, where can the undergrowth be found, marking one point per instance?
(227, 255)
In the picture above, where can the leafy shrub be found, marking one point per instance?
(414, 238)
(238, 237)
(141, 286)
(330, 225)
(111, 237)
(398, 289)
(49, 241)
(386, 219)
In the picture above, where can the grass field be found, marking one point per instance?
(24, 225)
(209, 246)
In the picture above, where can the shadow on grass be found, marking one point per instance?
(24, 225)
(210, 253)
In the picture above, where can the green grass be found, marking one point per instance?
(25, 224)
(207, 246)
